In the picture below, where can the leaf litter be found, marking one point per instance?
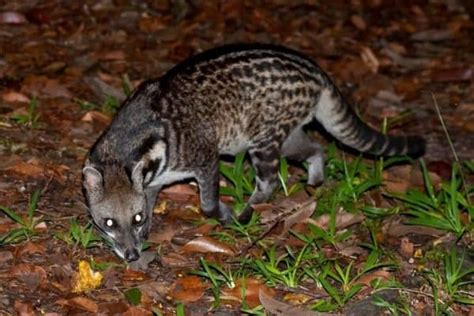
(382, 57)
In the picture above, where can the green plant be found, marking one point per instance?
(80, 235)
(342, 283)
(27, 225)
(440, 210)
(217, 275)
(456, 277)
(241, 177)
(286, 268)
(109, 105)
(399, 307)
(31, 118)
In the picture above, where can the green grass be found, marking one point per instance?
(80, 235)
(27, 224)
(31, 118)
(442, 209)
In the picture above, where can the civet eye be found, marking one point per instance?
(109, 223)
(137, 219)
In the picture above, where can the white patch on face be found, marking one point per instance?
(119, 253)
(111, 235)
(157, 151)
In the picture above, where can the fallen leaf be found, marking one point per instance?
(86, 279)
(11, 17)
(397, 229)
(453, 75)
(279, 308)
(296, 298)
(369, 58)
(432, 35)
(27, 169)
(133, 275)
(96, 116)
(206, 244)
(358, 22)
(155, 290)
(175, 260)
(252, 289)
(31, 248)
(80, 302)
(24, 309)
(13, 97)
(367, 278)
(33, 276)
(188, 289)
(137, 311)
(406, 247)
(112, 308)
(343, 220)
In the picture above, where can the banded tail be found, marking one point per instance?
(337, 117)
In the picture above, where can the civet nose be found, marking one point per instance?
(131, 255)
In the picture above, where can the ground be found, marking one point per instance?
(373, 239)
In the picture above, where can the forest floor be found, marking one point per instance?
(373, 239)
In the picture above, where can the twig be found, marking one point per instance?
(451, 145)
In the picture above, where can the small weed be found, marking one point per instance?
(341, 283)
(31, 118)
(217, 275)
(80, 235)
(400, 307)
(440, 210)
(110, 105)
(241, 176)
(286, 269)
(27, 225)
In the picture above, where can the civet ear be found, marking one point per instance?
(93, 183)
(137, 176)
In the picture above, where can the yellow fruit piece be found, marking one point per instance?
(418, 253)
(86, 279)
(160, 208)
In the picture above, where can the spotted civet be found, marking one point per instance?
(254, 98)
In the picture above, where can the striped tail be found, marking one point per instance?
(337, 117)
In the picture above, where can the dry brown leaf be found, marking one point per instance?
(33, 276)
(252, 288)
(407, 248)
(133, 275)
(206, 244)
(304, 211)
(175, 260)
(96, 116)
(367, 278)
(113, 55)
(13, 97)
(24, 309)
(279, 308)
(358, 22)
(11, 17)
(137, 311)
(397, 229)
(112, 308)
(31, 248)
(188, 289)
(27, 169)
(80, 302)
(343, 220)
(370, 59)
(155, 290)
